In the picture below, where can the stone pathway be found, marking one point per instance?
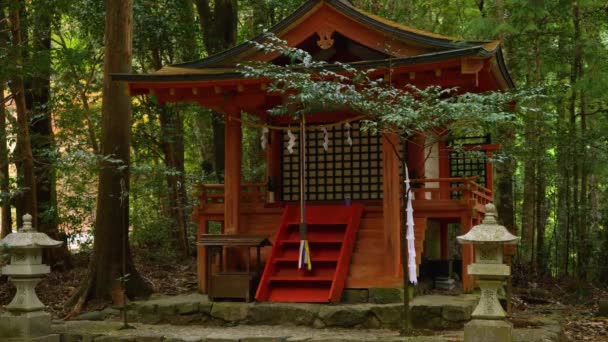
(87, 331)
(193, 318)
(82, 330)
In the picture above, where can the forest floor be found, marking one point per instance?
(576, 303)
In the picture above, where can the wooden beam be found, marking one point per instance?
(391, 204)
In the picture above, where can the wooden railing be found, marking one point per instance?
(465, 188)
(209, 194)
(427, 189)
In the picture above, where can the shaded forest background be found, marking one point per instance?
(552, 175)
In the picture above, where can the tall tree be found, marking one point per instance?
(219, 26)
(43, 138)
(24, 145)
(5, 198)
(111, 258)
(7, 223)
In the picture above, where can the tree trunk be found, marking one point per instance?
(574, 208)
(7, 221)
(23, 138)
(111, 256)
(43, 138)
(219, 27)
(5, 198)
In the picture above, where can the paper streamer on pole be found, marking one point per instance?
(291, 143)
(264, 138)
(411, 238)
(325, 140)
(349, 139)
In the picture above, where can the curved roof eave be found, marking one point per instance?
(398, 30)
(189, 74)
(502, 66)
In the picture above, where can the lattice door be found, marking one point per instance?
(342, 172)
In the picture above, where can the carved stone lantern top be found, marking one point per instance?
(28, 237)
(489, 231)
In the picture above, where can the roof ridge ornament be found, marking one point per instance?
(325, 37)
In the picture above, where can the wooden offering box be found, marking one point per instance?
(232, 284)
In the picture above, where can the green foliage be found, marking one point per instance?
(310, 86)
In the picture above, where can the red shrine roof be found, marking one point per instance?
(335, 30)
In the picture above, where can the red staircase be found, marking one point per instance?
(332, 231)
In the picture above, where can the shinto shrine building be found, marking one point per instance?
(354, 193)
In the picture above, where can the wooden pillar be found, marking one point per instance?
(273, 161)
(232, 177)
(444, 170)
(391, 203)
(443, 236)
(416, 156)
(202, 227)
(489, 172)
(466, 223)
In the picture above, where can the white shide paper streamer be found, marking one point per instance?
(411, 238)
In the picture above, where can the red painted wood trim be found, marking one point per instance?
(232, 173)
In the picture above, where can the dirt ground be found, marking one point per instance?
(166, 277)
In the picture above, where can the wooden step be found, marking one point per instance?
(331, 234)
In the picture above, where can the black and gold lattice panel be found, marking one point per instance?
(342, 172)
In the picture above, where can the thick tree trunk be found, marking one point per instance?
(219, 28)
(23, 138)
(111, 256)
(43, 138)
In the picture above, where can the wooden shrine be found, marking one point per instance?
(356, 245)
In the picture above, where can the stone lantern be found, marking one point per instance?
(488, 238)
(26, 319)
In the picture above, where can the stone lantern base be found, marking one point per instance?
(28, 326)
(484, 330)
